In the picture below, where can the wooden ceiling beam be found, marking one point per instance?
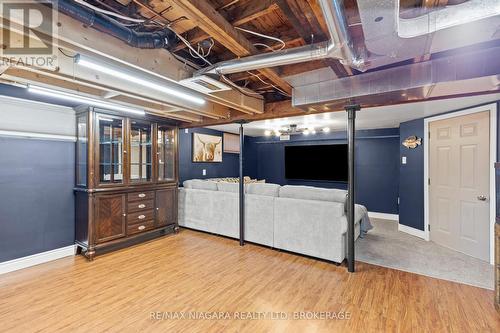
(239, 15)
(207, 18)
(250, 10)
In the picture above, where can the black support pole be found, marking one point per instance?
(242, 189)
(351, 115)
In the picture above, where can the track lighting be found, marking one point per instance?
(66, 96)
(120, 74)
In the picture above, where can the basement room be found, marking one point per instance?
(249, 166)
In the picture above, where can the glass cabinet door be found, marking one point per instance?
(81, 150)
(141, 166)
(110, 149)
(166, 154)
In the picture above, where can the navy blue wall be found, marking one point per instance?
(229, 167)
(36, 196)
(411, 180)
(377, 164)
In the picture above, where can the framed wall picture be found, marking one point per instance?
(231, 143)
(207, 148)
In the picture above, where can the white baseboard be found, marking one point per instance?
(384, 216)
(36, 259)
(412, 231)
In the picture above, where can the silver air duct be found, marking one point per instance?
(279, 58)
(388, 38)
(339, 46)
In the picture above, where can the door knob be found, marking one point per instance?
(481, 198)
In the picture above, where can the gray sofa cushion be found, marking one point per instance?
(228, 187)
(313, 193)
(199, 184)
(271, 190)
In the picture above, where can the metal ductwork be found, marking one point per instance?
(146, 40)
(339, 46)
(388, 38)
(280, 58)
(471, 72)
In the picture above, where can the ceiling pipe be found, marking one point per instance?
(339, 46)
(388, 39)
(471, 72)
(147, 40)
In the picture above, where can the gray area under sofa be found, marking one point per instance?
(299, 219)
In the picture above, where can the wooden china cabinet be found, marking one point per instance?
(126, 179)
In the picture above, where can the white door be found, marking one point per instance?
(459, 183)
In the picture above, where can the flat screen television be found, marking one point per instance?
(316, 162)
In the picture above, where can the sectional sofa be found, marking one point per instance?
(299, 219)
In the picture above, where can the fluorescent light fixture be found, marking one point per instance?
(106, 119)
(81, 99)
(85, 62)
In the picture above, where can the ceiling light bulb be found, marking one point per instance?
(85, 62)
(66, 96)
(267, 132)
(313, 131)
(306, 132)
(326, 129)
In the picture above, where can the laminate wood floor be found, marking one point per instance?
(150, 287)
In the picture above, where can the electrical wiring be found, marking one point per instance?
(107, 12)
(269, 84)
(264, 45)
(264, 36)
(200, 53)
(65, 54)
(231, 83)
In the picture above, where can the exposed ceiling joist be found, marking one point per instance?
(306, 21)
(243, 13)
(74, 36)
(250, 10)
(212, 22)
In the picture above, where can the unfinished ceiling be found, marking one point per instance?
(360, 38)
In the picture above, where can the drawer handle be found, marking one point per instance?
(141, 217)
(142, 195)
(141, 206)
(141, 227)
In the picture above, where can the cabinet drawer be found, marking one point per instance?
(141, 196)
(140, 227)
(139, 217)
(140, 206)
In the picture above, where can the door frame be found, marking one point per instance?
(492, 107)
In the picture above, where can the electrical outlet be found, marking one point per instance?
(186, 130)
(204, 172)
(403, 160)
